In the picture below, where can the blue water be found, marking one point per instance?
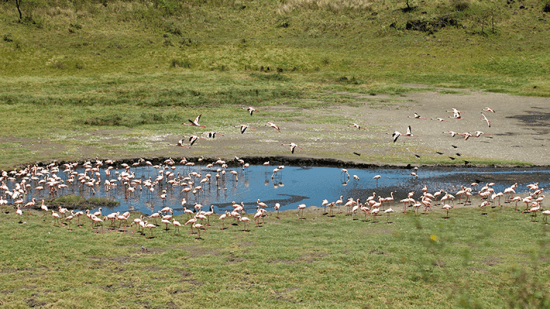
(294, 185)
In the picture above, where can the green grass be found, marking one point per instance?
(69, 69)
(468, 260)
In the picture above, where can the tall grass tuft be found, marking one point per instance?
(329, 5)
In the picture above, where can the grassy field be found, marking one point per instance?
(71, 68)
(469, 260)
(81, 79)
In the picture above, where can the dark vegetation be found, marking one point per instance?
(73, 201)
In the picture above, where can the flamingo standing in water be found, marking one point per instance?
(194, 123)
(377, 177)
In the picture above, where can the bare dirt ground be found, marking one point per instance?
(519, 131)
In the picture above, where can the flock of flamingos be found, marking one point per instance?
(34, 180)
(37, 179)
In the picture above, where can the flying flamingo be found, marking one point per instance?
(479, 133)
(395, 135)
(244, 127)
(251, 110)
(193, 139)
(355, 125)
(194, 123)
(179, 143)
(292, 147)
(489, 109)
(486, 120)
(274, 126)
(416, 116)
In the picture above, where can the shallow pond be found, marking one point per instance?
(293, 185)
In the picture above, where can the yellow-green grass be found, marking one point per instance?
(468, 260)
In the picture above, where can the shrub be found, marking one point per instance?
(177, 63)
(460, 5)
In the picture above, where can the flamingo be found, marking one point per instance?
(69, 218)
(166, 222)
(486, 120)
(301, 207)
(178, 144)
(535, 208)
(395, 135)
(191, 222)
(376, 177)
(194, 123)
(489, 109)
(355, 125)
(223, 217)
(389, 211)
(374, 212)
(417, 116)
(274, 126)
(243, 127)
(19, 212)
(447, 207)
(484, 204)
(177, 225)
(193, 139)
(212, 134)
(251, 110)
(198, 227)
(150, 226)
(277, 206)
(546, 213)
(245, 220)
(292, 146)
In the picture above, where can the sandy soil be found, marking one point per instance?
(519, 131)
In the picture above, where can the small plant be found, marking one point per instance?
(460, 5)
(177, 63)
(546, 7)
(7, 37)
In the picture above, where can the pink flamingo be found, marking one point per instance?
(194, 123)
